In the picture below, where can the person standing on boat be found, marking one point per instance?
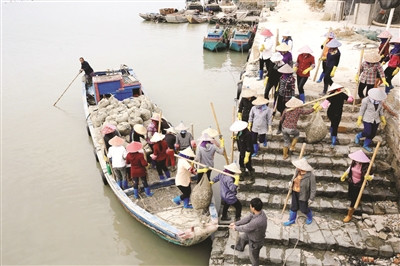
(304, 64)
(170, 138)
(266, 50)
(152, 128)
(245, 105)
(138, 132)
(184, 139)
(205, 154)
(260, 122)
(273, 76)
(183, 177)
(245, 147)
(117, 155)
(159, 155)
(253, 226)
(109, 131)
(228, 190)
(138, 168)
(89, 73)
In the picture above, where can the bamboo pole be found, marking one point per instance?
(358, 75)
(66, 89)
(289, 192)
(159, 123)
(384, 46)
(219, 131)
(233, 134)
(277, 37)
(368, 171)
(205, 166)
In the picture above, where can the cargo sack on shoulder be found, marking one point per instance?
(316, 129)
(202, 194)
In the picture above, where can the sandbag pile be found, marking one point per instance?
(124, 114)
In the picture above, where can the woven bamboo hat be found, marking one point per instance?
(334, 86)
(377, 94)
(205, 137)
(211, 132)
(107, 129)
(181, 127)
(396, 40)
(155, 117)
(359, 156)
(276, 57)
(134, 146)
(188, 152)
(286, 33)
(334, 44)
(384, 35)
(238, 125)
(171, 130)
(116, 141)
(260, 100)
(247, 93)
(372, 57)
(266, 33)
(286, 69)
(293, 102)
(302, 164)
(233, 167)
(305, 50)
(140, 129)
(283, 47)
(157, 137)
(330, 35)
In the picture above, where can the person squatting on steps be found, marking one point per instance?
(266, 50)
(370, 67)
(182, 180)
(260, 122)
(286, 87)
(138, 168)
(335, 109)
(288, 123)
(394, 64)
(304, 64)
(273, 77)
(253, 226)
(245, 105)
(332, 62)
(303, 190)
(245, 147)
(355, 175)
(329, 37)
(159, 155)
(228, 190)
(117, 154)
(205, 154)
(371, 115)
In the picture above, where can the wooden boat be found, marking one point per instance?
(194, 5)
(185, 227)
(178, 17)
(211, 5)
(242, 38)
(197, 18)
(155, 17)
(217, 39)
(227, 6)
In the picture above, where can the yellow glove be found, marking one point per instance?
(359, 121)
(368, 177)
(234, 137)
(202, 170)
(306, 70)
(344, 176)
(333, 71)
(246, 157)
(239, 116)
(385, 82)
(323, 58)
(356, 78)
(262, 47)
(211, 183)
(383, 120)
(265, 81)
(236, 180)
(295, 69)
(316, 106)
(105, 158)
(269, 129)
(395, 71)
(222, 142)
(383, 63)
(249, 126)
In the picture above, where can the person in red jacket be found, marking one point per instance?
(304, 64)
(159, 155)
(138, 168)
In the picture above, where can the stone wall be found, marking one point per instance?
(392, 131)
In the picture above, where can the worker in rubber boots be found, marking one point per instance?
(332, 62)
(266, 50)
(245, 147)
(286, 87)
(273, 76)
(383, 49)
(329, 37)
(245, 105)
(304, 64)
(393, 65)
(355, 175)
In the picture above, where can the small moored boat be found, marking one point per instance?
(242, 38)
(217, 38)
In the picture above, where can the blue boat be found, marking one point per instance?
(217, 39)
(113, 93)
(242, 39)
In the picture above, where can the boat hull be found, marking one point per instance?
(213, 45)
(239, 46)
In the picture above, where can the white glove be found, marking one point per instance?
(310, 202)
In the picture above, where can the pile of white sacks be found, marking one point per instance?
(123, 114)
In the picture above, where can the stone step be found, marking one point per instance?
(286, 174)
(324, 189)
(346, 117)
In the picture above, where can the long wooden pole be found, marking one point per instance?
(384, 46)
(365, 181)
(219, 131)
(205, 166)
(320, 59)
(66, 89)
(159, 123)
(358, 75)
(233, 134)
(289, 192)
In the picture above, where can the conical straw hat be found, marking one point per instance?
(305, 50)
(140, 129)
(205, 137)
(116, 141)
(107, 129)
(266, 33)
(277, 56)
(372, 57)
(397, 40)
(171, 130)
(286, 69)
(377, 94)
(247, 93)
(188, 152)
(134, 146)
(157, 137)
(238, 125)
(359, 156)
(155, 117)
(181, 127)
(283, 47)
(334, 44)
(211, 132)
(286, 33)
(233, 167)
(330, 35)
(384, 35)
(334, 86)
(293, 102)
(260, 101)
(302, 164)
